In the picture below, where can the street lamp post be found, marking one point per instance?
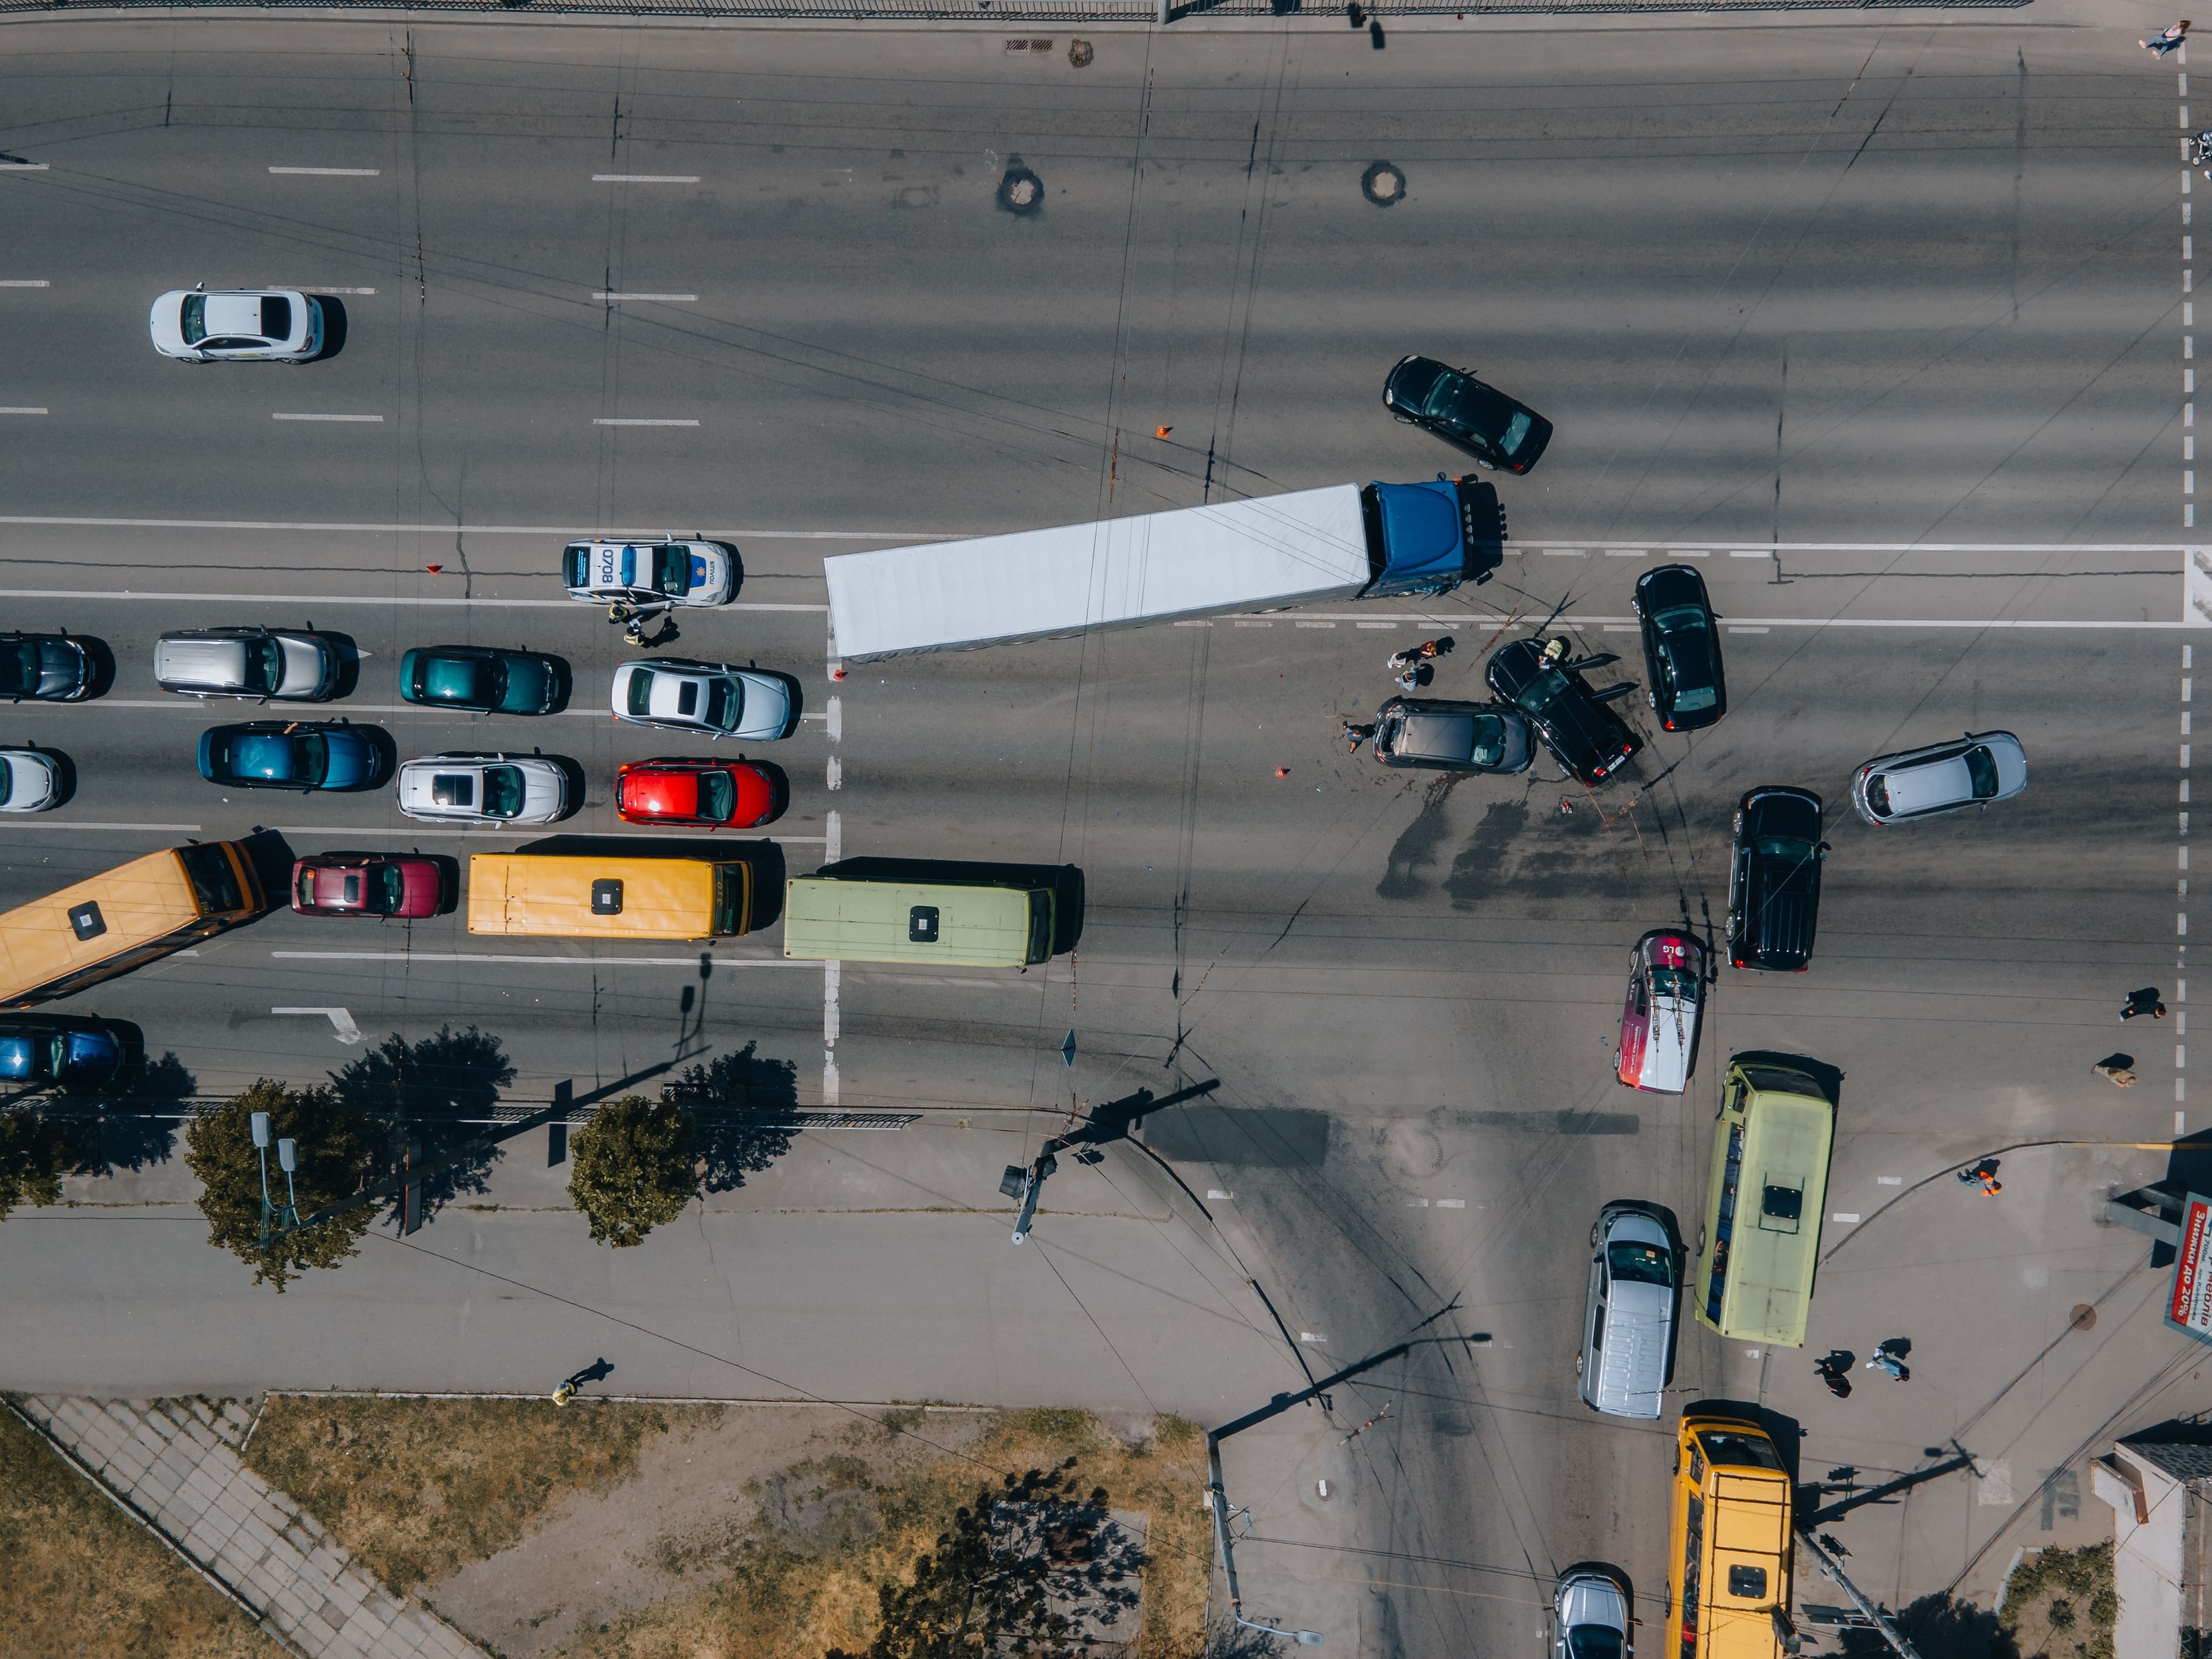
(286, 1217)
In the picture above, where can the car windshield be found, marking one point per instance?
(502, 790)
(1594, 1641)
(193, 322)
(1546, 689)
(313, 753)
(718, 796)
(7, 780)
(264, 666)
(1794, 856)
(641, 691)
(19, 667)
(671, 570)
(724, 702)
(1474, 408)
(384, 884)
(1982, 769)
(1489, 740)
(1743, 1451)
(1877, 795)
(1515, 430)
(1673, 982)
(462, 679)
(1640, 1264)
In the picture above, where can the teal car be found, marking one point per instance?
(483, 679)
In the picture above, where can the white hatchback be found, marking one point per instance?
(237, 325)
(713, 700)
(29, 782)
(1944, 777)
(484, 789)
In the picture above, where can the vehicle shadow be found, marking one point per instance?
(348, 660)
(1065, 880)
(103, 661)
(1783, 1430)
(271, 858)
(334, 326)
(1829, 1078)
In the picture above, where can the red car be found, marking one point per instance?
(718, 795)
(379, 884)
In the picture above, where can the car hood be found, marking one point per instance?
(529, 685)
(1411, 382)
(2012, 762)
(167, 320)
(61, 667)
(352, 763)
(767, 711)
(1669, 1035)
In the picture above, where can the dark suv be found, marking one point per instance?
(1452, 736)
(1774, 879)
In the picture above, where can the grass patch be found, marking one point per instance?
(80, 1578)
(2062, 1603)
(418, 1488)
(801, 1576)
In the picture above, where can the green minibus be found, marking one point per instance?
(1761, 1241)
(985, 925)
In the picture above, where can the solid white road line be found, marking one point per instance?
(335, 598)
(317, 287)
(492, 831)
(39, 283)
(332, 173)
(22, 167)
(375, 419)
(889, 537)
(658, 299)
(22, 411)
(645, 178)
(35, 821)
(1471, 618)
(535, 961)
(602, 420)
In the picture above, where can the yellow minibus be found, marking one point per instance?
(1727, 1572)
(133, 914)
(829, 919)
(567, 896)
(1761, 1240)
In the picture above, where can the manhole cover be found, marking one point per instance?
(1021, 191)
(2084, 1317)
(1383, 184)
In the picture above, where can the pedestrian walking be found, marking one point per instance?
(2141, 1002)
(1891, 1366)
(1354, 735)
(1416, 675)
(2120, 1068)
(2167, 39)
(1426, 650)
(1985, 1175)
(1834, 1367)
(565, 1392)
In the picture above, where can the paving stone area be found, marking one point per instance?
(176, 1462)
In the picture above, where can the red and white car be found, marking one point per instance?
(379, 884)
(1666, 1001)
(699, 793)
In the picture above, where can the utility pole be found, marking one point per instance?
(1873, 1614)
(1111, 1121)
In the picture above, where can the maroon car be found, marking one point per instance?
(379, 884)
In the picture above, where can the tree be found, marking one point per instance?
(337, 1158)
(635, 1168)
(741, 1114)
(1002, 1575)
(428, 1092)
(34, 1149)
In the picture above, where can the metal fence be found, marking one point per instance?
(1010, 12)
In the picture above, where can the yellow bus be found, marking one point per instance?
(1727, 1572)
(133, 914)
(826, 919)
(530, 893)
(1761, 1241)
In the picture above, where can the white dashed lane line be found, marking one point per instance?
(604, 420)
(25, 283)
(332, 173)
(23, 411)
(655, 299)
(364, 420)
(645, 178)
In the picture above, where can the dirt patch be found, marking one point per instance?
(81, 1579)
(417, 1489)
(2062, 1603)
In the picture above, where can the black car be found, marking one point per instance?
(1774, 880)
(1466, 414)
(44, 667)
(1440, 736)
(1681, 649)
(1584, 734)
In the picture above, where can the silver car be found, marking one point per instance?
(1628, 1321)
(484, 789)
(1590, 1612)
(249, 663)
(29, 782)
(708, 699)
(1945, 777)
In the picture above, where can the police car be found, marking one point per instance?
(655, 574)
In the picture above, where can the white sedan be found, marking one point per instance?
(484, 789)
(29, 782)
(237, 325)
(713, 700)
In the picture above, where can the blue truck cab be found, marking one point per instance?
(1430, 537)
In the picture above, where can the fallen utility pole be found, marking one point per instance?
(1111, 1121)
(1873, 1614)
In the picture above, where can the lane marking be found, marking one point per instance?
(22, 167)
(1844, 1215)
(692, 961)
(491, 830)
(833, 843)
(335, 598)
(1758, 553)
(1451, 1204)
(76, 823)
(1309, 1336)
(602, 420)
(835, 774)
(41, 284)
(319, 288)
(332, 173)
(1215, 1192)
(1734, 629)
(22, 411)
(1889, 1180)
(342, 1021)
(658, 299)
(645, 178)
(1620, 628)
(831, 975)
(375, 419)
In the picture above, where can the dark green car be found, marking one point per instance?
(483, 679)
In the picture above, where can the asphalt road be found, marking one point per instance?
(1874, 319)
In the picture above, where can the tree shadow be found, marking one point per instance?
(433, 1099)
(130, 1131)
(741, 1108)
(1939, 1628)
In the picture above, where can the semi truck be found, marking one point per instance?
(1343, 542)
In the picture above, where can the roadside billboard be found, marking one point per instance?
(2190, 1308)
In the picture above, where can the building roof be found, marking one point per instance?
(2179, 1447)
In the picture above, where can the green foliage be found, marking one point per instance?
(2069, 1592)
(635, 1169)
(337, 1158)
(34, 1149)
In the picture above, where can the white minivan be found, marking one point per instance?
(1628, 1322)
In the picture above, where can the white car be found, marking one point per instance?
(1591, 1615)
(1969, 771)
(712, 699)
(655, 574)
(484, 789)
(29, 782)
(237, 325)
